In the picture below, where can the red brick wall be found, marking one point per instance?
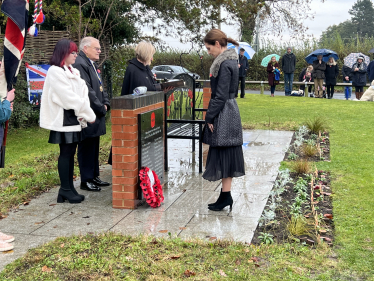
(125, 155)
(206, 97)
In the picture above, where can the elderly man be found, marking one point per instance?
(88, 148)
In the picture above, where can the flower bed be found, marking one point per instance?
(299, 207)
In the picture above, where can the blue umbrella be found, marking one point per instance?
(326, 53)
(249, 52)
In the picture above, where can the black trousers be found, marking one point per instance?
(88, 158)
(330, 90)
(242, 86)
(66, 165)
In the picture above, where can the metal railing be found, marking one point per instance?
(263, 83)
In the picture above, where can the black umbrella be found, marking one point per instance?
(371, 51)
(2, 153)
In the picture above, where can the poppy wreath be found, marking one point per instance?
(152, 194)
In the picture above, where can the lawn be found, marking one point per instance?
(114, 257)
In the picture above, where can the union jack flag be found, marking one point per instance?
(15, 38)
(35, 77)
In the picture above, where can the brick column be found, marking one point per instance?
(125, 165)
(207, 92)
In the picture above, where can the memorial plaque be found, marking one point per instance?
(151, 141)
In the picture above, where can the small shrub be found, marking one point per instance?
(309, 150)
(292, 156)
(302, 166)
(298, 226)
(316, 125)
(266, 238)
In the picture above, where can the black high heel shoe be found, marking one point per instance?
(69, 195)
(218, 200)
(225, 201)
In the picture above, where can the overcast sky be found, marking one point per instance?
(328, 13)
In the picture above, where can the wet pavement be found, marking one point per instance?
(184, 212)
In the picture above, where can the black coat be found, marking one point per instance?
(319, 70)
(97, 98)
(371, 71)
(359, 77)
(243, 61)
(222, 86)
(347, 71)
(331, 73)
(289, 63)
(137, 74)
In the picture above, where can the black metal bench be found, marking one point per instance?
(181, 116)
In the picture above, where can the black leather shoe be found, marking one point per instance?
(89, 186)
(98, 182)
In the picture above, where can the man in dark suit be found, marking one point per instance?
(243, 67)
(88, 148)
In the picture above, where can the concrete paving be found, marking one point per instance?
(184, 212)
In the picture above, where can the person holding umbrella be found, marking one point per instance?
(331, 73)
(288, 67)
(359, 70)
(272, 67)
(319, 67)
(243, 67)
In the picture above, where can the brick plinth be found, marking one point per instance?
(207, 93)
(125, 153)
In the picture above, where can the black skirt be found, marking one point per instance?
(64, 137)
(224, 162)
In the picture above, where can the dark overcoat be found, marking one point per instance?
(243, 61)
(137, 74)
(359, 77)
(271, 75)
(97, 98)
(331, 73)
(347, 71)
(319, 70)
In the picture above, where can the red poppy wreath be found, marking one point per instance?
(151, 187)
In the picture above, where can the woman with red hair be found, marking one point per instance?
(65, 110)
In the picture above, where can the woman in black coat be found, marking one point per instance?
(223, 130)
(138, 72)
(272, 65)
(331, 73)
(359, 70)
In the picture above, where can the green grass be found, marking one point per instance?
(31, 166)
(116, 257)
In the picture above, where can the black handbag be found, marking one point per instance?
(227, 129)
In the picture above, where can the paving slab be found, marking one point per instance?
(184, 212)
(222, 227)
(83, 219)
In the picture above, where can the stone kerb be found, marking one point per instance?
(125, 145)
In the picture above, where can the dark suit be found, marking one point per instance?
(88, 148)
(243, 61)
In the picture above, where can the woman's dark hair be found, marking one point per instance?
(63, 48)
(218, 35)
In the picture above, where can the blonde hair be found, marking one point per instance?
(274, 57)
(144, 52)
(333, 61)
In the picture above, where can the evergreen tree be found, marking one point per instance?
(362, 17)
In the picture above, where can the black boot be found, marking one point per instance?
(218, 200)
(67, 194)
(71, 179)
(225, 201)
(64, 170)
